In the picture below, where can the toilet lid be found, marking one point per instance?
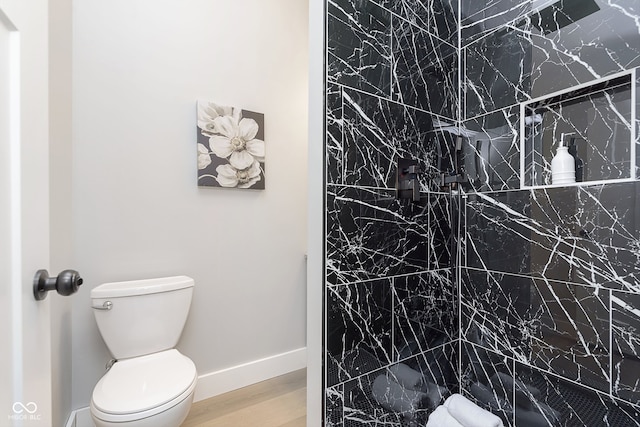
(143, 383)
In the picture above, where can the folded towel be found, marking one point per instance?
(392, 396)
(405, 376)
(442, 418)
(469, 414)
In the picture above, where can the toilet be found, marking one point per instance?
(151, 384)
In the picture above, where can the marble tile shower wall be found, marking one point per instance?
(550, 276)
(542, 323)
(391, 296)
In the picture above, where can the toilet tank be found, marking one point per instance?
(141, 317)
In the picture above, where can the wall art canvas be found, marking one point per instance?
(231, 147)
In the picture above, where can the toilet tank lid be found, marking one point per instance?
(141, 287)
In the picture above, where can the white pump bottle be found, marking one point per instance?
(563, 165)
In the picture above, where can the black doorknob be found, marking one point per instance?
(66, 283)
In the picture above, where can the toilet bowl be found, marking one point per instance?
(155, 390)
(151, 384)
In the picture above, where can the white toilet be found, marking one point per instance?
(151, 384)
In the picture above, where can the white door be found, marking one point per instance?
(25, 355)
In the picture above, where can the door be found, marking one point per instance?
(25, 356)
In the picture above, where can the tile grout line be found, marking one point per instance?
(459, 288)
(513, 412)
(610, 342)
(543, 372)
(394, 101)
(325, 240)
(546, 279)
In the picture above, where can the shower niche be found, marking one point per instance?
(595, 122)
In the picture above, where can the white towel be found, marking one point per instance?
(469, 414)
(392, 396)
(442, 418)
(405, 376)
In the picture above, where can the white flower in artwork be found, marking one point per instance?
(204, 156)
(209, 111)
(236, 140)
(230, 144)
(228, 176)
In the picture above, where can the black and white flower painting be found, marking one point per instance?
(230, 147)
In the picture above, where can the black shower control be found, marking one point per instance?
(66, 283)
(407, 184)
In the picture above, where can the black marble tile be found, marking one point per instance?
(607, 232)
(495, 310)
(377, 133)
(359, 37)
(497, 72)
(362, 409)
(383, 398)
(568, 332)
(425, 312)
(439, 17)
(543, 263)
(371, 234)
(554, 234)
(487, 380)
(491, 151)
(498, 232)
(425, 70)
(441, 240)
(625, 370)
(358, 328)
(439, 366)
(577, 41)
(558, 403)
(541, 51)
(581, 234)
(334, 401)
(590, 234)
(480, 18)
(334, 144)
(559, 327)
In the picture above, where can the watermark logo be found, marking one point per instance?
(19, 408)
(25, 411)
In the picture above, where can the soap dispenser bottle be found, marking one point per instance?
(563, 164)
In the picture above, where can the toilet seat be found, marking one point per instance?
(143, 386)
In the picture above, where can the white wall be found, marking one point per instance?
(138, 68)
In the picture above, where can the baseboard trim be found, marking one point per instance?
(71, 422)
(225, 380)
(80, 418)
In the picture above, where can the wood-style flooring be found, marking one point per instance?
(278, 402)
